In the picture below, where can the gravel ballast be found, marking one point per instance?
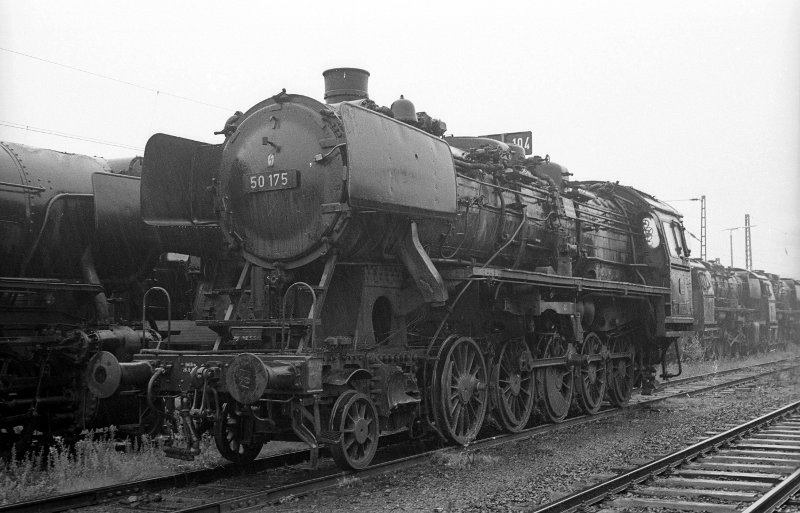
(521, 475)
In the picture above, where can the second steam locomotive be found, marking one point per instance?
(73, 259)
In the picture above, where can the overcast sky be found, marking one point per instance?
(677, 98)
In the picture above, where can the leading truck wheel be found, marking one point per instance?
(513, 385)
(234, 437)
(460, 390)
(356, 419)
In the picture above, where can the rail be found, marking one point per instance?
(601, 492)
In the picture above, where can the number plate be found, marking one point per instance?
(270, 181)
(519, 138)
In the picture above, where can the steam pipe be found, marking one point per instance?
(90, 276)
(47, 212)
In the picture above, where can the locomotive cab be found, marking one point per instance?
(703, 298)
(679, 312)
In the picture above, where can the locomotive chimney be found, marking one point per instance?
(345, 84)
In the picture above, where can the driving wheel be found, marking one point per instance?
(557, 380)
(592, 376)
(460, 390)
(621, 371)
(513, 385)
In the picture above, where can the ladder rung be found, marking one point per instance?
(230, 291)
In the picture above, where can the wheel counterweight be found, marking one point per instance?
(558, 382)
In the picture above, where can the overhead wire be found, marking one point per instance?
(158, 92)
(113, 79)
(29, 128)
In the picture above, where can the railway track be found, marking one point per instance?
(753, 467)
(206, 494)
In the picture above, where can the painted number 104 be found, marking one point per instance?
(525, 142)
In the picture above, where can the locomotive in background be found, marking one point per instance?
(739, 312)
(375, 277)
(75, 260)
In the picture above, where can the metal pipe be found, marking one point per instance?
(22, 186)
(544, 196)
(48, 210)
(90, 276)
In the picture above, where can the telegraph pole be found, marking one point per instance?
(747, 227)
(730, 232)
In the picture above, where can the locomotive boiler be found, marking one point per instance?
(72, 260)
(377, 277)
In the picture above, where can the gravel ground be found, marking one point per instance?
(521, 475)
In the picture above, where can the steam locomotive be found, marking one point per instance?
(75, 259)
(371, 276)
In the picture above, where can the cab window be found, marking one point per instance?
(673, 231)
(705, 281)
(672, 241)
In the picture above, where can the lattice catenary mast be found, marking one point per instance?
(748, 247)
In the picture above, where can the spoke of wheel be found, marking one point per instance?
(460, 360)
(456, 410)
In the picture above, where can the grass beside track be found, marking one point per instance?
(98, 461)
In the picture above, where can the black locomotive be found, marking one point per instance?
(75, 260)
(373, 277)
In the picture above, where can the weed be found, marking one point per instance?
(348, 482)
(464, 459)
(95, 460)
(692, 349)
